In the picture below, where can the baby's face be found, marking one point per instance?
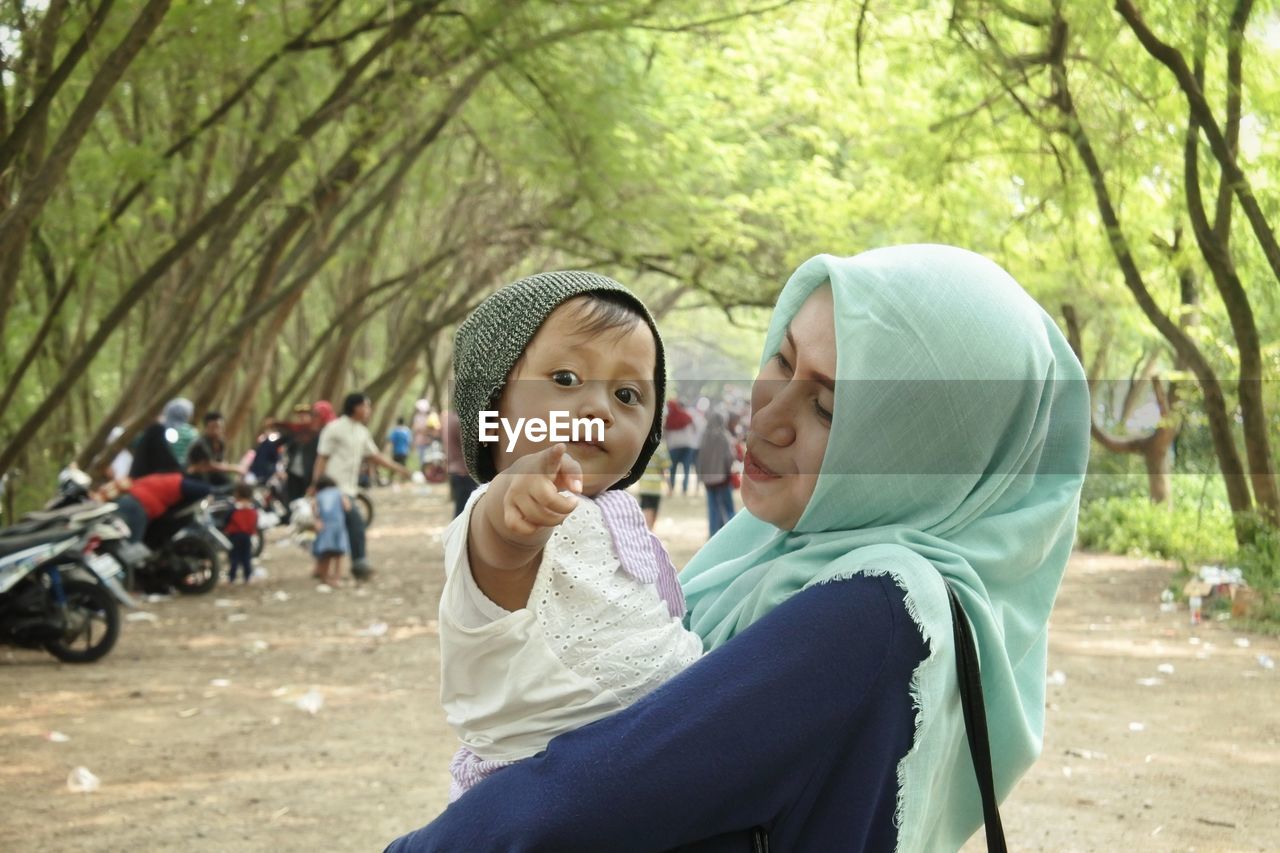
(608, 375)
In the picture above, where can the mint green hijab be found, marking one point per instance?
(957, 451)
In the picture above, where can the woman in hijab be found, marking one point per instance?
(918, 423)
(715, 464)
(176, 418)
(152, 454)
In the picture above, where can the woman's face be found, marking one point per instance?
(791, 405)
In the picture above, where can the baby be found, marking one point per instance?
(559, 606)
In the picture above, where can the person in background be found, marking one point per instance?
(715, 465)
(178, 429)
(418, 427)
(342, 447)
(401, 441)
(123, 460)
(266, 453)
(207, 455)
(240, 528)
(301, 432)
(460, 483)
(650, 486)
(679, 431)
(332, 541)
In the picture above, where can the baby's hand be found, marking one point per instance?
(533, 501)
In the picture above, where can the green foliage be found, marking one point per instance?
(1259, 559)
(1184, 530)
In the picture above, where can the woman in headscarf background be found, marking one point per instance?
(918, 423)
(176, 418)
(715, 464)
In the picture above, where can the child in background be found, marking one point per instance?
(331, 543)
(240, 528)
(559, 606)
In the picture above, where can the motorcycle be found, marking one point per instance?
(107, 550)
(180, 549)
(185, 545)
(50, 595)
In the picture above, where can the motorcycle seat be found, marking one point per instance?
(10, 544)
(75, 514)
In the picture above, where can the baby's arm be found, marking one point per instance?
(512, 521)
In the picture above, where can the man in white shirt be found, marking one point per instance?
(344, 445)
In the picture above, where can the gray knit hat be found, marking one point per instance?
(491, 340)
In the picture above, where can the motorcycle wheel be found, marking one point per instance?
(198, 559)
(94, 623)
(365, 505)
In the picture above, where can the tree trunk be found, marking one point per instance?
(1215, 408)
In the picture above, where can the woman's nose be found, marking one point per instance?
(773, 422)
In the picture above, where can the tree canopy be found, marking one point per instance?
(258, 204)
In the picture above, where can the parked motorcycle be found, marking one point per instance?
(186, 547)
(107, 551)
(182, 547)
(50, 596)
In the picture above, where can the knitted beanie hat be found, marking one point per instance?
(491, 340)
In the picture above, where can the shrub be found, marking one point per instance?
(1186, 531)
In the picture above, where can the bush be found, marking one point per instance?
(1190, 532)
(1260, 562)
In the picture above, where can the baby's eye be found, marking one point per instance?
(567, 378)
(630, 396)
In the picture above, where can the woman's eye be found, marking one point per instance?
(782, 362)
(630, 396)
(567, 378)
(822, 413)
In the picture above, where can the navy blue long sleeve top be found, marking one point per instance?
(796, 726)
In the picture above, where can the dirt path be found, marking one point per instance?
(192, 724)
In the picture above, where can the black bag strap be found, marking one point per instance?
(975, 721)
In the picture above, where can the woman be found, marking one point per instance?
(682, 442)
(918, 422)
(715, 467)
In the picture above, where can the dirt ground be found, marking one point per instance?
(193, 728)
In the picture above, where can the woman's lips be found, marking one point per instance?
(755, 471)
(587, 445)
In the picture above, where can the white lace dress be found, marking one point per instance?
(591, 640)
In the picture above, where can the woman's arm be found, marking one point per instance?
(730, 744)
